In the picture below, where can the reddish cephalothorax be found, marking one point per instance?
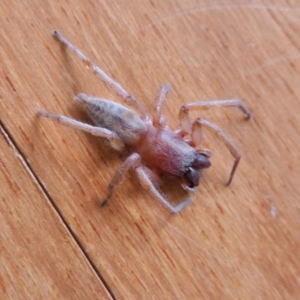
(154, 149)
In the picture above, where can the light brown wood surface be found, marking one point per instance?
(237, 242)
(39, 257)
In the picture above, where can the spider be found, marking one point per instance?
(154, 150)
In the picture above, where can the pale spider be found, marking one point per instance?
(154, 149)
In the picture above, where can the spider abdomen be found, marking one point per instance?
(117, 118)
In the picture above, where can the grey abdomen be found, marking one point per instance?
(117, 118)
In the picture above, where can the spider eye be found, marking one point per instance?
(201, 161)
(192, 177)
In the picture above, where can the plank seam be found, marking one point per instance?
(18, 153)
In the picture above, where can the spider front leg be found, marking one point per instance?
(113, 138)
(144, 174)
(127, 97)
(186, 124)
(197, 136)
(149, 186)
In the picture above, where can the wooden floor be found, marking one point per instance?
(237, 242)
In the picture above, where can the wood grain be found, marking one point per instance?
(237, 242)
(39, 257)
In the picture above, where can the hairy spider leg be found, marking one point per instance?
(158, 119)
(129, 163)
(134, 162)
(127, 97)
(186, 124)
(149, 186)
(197, 128)
(113, 138)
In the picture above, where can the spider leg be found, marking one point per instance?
(113, 138)
(149, 186)
(184, 117)
(228, 143)
(158, 120)
(128, 98)
(131, 161)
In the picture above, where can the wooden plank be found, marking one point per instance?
(39, 258)
(231, 243)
